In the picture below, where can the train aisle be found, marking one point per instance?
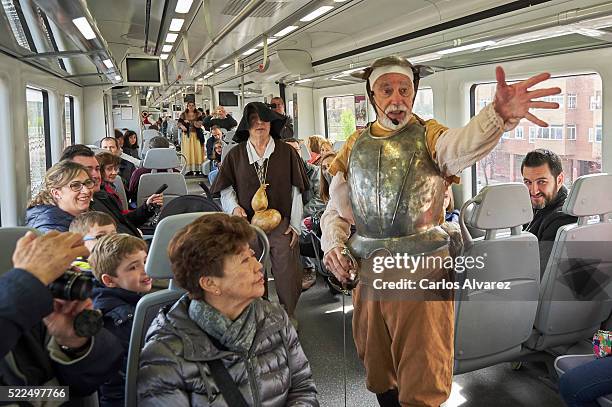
(320, 323)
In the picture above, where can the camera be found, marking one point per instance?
(72, 286)
(271, 105)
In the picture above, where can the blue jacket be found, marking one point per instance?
(48, 217)
(117, 306)
(24, 301)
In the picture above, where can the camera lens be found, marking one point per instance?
(72, 286)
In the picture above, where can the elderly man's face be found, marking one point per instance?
(393, 94)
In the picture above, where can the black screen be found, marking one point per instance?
(142, 70)
(228, 99)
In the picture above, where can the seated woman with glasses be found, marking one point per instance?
(66, 192)
(222, 331)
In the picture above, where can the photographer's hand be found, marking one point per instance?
(60, 323)
(48, 256)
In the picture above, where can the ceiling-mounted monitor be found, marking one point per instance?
(142, 70)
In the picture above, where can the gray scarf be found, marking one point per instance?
(235, 335)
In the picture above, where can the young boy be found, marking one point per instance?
(118, 263)
(92, 225)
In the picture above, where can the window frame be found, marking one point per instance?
(72, 125)
(569, 127)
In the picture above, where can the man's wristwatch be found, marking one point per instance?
(75, 353)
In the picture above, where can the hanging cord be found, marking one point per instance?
(262, 171)
(344, 345)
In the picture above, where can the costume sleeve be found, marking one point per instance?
(297, 210)
(340, 163)
(456, 149)
(229, 200)
(338, 216)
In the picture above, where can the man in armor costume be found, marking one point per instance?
(389, 182)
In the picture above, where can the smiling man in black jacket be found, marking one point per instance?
(543, 175)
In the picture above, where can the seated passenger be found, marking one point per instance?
(126, 168)
(155, 142)
(103, 202)
(118, 262)
(38, 336)
(216, 135)
(451, 214)
(543, 175)
(312, 203)
(92, 225)
(215, 162)
(222, 323)
(130, 146)
(220, 118)
(325, 147)
(584, 384)
(109, 169)
(66, 193)
(314, 146)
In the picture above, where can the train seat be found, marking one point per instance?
(9, 237)
(158, 267)
(304, 153)
(147, 135)
(120, 188)
(158, 159)
(568, 362)
(492, 324)
(576, 286)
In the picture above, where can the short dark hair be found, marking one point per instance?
(159, 142)
(200, 248)
(118, 134)
(110, 138)
(105, 158)
(543, 156)
(76, 150)
(214, 126)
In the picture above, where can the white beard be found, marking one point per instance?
(386, 122)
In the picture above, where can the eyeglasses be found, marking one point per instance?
(76, 186)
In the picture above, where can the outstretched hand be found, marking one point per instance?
(512, 102)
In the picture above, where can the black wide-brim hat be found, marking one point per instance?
(277, 122)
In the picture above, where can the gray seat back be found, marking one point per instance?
(576, 285)
(161, 159)
(149, 183)
(158, 266)
(304, 153)
(120, 188)
(338, 145)
(8, 240)
(147, 135)
(492, 323)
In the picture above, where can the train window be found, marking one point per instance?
(69, 121)
(18, 25)
(38, 136)
(340, 116)
(423, 104)
(574, 132)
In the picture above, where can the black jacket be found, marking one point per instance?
(24, 301)
(228, 123)
(545, 223)
(125, 223)
(118, 307)
(48, 217)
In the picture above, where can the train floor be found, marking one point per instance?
(319, 314)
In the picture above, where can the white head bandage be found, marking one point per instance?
(380, 71)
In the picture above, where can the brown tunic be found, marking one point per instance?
(285, 169)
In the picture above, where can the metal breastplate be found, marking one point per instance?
(396, 193)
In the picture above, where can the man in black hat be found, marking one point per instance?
(258, 160)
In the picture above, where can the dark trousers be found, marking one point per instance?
(286, 267)
(582, 385)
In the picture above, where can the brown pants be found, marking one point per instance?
(406, 345)
(286, 267)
